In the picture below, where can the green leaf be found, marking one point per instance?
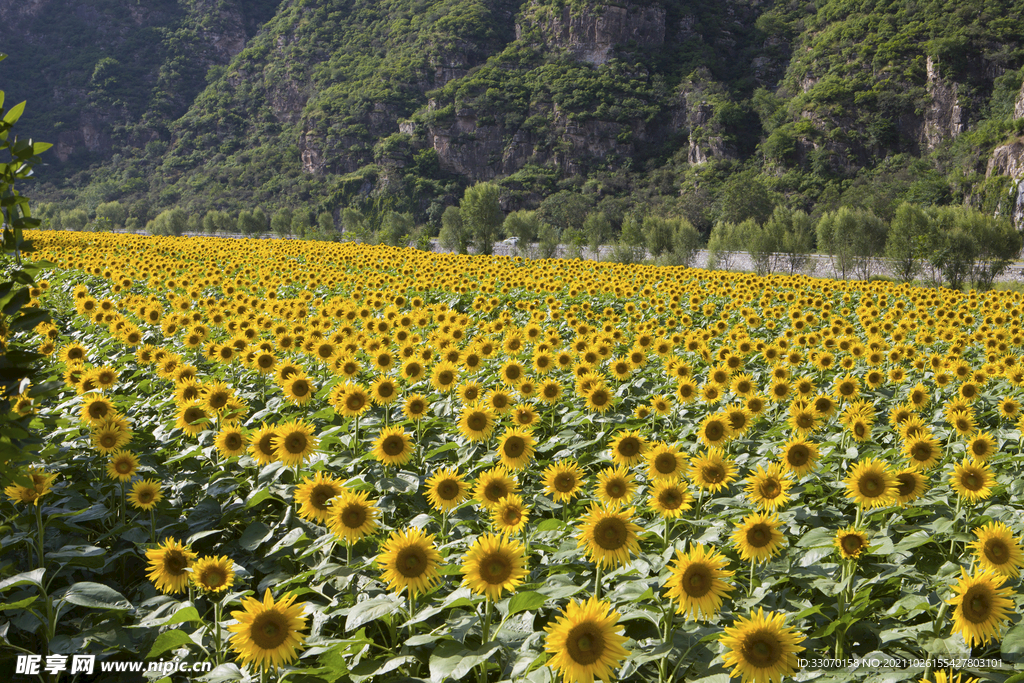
(80, 555)
(15, 113)
(1013, 641)
(526, 601)
(454, 660)
(225, 673)
(168, 640)
(35, 577)
(369, 610)
(254, 534)
(182, 616)
(19, 605)
(89, 594)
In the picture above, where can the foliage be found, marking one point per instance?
(481, 214)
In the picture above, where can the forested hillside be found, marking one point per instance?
(707, 111)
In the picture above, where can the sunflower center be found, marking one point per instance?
(269, 630)
(512, 372)
(565, 482)
(762, 650)
(108, 439)
(477, 421)
(393, 446)
(514, 447)
(300, 388)
(123, 467)
(416, 407)
(696, 580)
(665, 463)
(411, 562)
(770, 488)
(445, 378)
(98, 410)
(266, 444)
(320, 494)
(616, 489)
(859, 428)
(233, 441)
(804, 420)
(585, 643)
(996, 551)
(354, 402)
(759, 535)
(217, 399)
(512, 516)
(921, 452)
(670, 499)
(295, 443)
(175, 562)
(871, 485)
(979, 448)
(977, 605)
(971, 481)
(495, 491)
(599, 398)
(851, 544)
(448, 490)
(145, 496)
(213, 579)
(713, 473)
(611, 533)
(905, 484)
(353, 516)
(629, 447)
(714, 431)
(497, 569)
(194, 415)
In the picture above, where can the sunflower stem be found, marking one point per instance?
(750, 586)
(152, 525)
(216, 633)
(40, 529)
(597, 581)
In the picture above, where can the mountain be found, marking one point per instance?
(707, 110)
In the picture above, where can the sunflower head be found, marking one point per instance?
(122, 465)
(446, 489)
(585, 643)
(851, 543)
(699, 581)
(758, 537)
(609, 535)
(145, 494)
(516, 448)
(983, 605)
(997, 550)
(168, 566)
(393, 447)
(353, 515)
(493, 485)
(409, 561)
(268, 632)
(761, 647)
(213, 574)
(870, 484)
(563, 481)
(314, 496)
(493, 565)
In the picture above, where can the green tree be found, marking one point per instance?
(972, 246)
(482, 216)
(111, 215)
(216, 221)
(797, 230)
(852, 238)
(248, 224)
(631, 247)
(565, 210)
(453, 235)
(395, 228)
(743, 196)
(524, 226)
(910, 241)
(658, 234)
(725, 240)
(598, 230)
(281, 222)
(302, 221)
(325, 226)
(169, 222)
(547, 240)
(76, 219)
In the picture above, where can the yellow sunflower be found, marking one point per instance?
(870, 484)
(769, 489)
(393, 447)
(299, 389)
(972, 480)
(444, 376)
(712, 471)
(758, 537)
(40, 487)
(761, 648)
(231, 441)
(111, 434)
(314, 496)
(293, 442)
(192, 418)
(714, 430)
(699, 582)
(145, 494)
(168, 566)
(563, 481)
(353, 515)
(664, 461)
(384, 391)
(268, 633)
(493, 565)
(669, 498)
(409, 561)
(982, 446)
(122, 465)
(983, 605)
(476, 422)
(615, 486)
(509, 515)
(96, 408)
(516, 448)
(261, 445)
(446, 489)
(584, 642)
(628, 448)
(415, 407)
(799, 456)
(213, 574)
(910, 485)
(997, 550)
(493, 485)
(923, 451)
(609, 536)
(851, 543)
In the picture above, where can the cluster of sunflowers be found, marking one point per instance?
(526, 423)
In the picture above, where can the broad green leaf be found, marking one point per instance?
(34, 577)
(89, 594)
(12, 116)
(526, 601)
(454, 660)
(369, 610)
(168, 640)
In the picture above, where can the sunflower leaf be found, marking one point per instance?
(168, 640)
(368, 610)
(89, 594)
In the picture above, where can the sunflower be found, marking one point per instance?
(350, 400)
(511, 373)
(802, 418)
(962, 421)
(293, 442)
(699, 581)
(168, 566)
(213, 574)
(444, 376)
(476, 422)
(384, 391)
(608, 535)
(714, 430)
(393, 447)
(268, 632)
(669, 498)
(599, 399)
(761, 648)
(192, 417)
(615, 486)
(997, 550)
(870, 484)
(1009, 408)
(261, 445)
(110, 434)
(983, 605)
(584, 642)
(628, 449)
(972, 480)
(104, 377)
(231, 441)
(415, 407)
(493, 485)
(943, 677)
(918, 396)
(40, 487)
(923, 452)
(498, 401)
(215, 396)
(799, 456)
(851, 543)
(664, 461)
(516, 448)
(409, 561)
(352, 516)
(549, 391)
(563, 481)
(493, 565)
(981, 447)
(145, 494)
(509, 515)
(96, 408)
(470, 392)
(769, 489)
(712, 471)
(446, 489)
(298, 389)
(910, 485)
(122, 465)
(758, 537)
(314, 496)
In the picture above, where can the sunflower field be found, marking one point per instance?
(338, 462)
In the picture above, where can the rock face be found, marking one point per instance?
(1008, 160)
(944, 118)
(592, 33)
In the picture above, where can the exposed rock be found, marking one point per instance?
(944, 117)
(591, 34)
(1018, 107)
(1007, 160)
